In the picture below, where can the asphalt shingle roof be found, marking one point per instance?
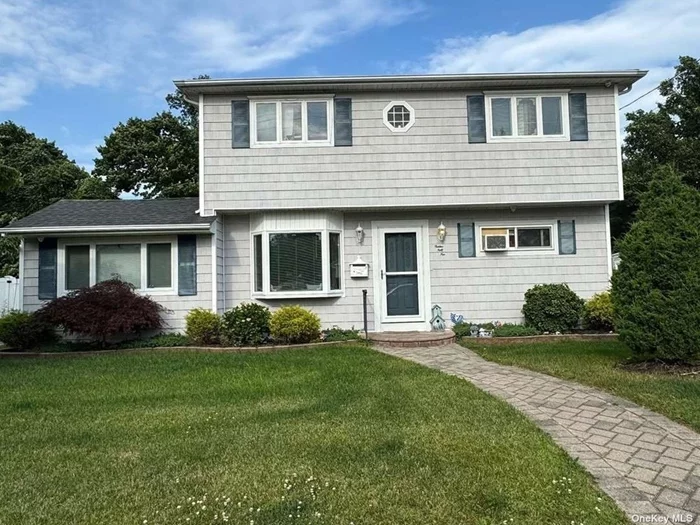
(85, 213)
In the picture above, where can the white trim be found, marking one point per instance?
(21, 274)
(620, 180)
(553, 235)
(214, 276)
(143, 262)
(304, 142)
(200, 121)
(608, 240)
(537, 95)
(402, 323)
(411, 116)
(457, 206)
(69, 230)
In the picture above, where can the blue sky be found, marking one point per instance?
(70, 71)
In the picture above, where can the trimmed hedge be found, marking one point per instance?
(598, 312)
(203, 327)
(248, 324)
(24, 330)
(295, 325)
(552, 308)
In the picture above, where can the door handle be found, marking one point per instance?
(381, 274)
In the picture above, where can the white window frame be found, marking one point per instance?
(304, 142)
(538, 95)
(325, 265)
(143, 288)
(411, 118)
(552, 226)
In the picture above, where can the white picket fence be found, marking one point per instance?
(9, 294)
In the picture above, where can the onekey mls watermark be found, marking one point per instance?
(682, 517)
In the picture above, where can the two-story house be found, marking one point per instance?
(457, 190)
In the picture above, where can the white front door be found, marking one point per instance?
(401, 285)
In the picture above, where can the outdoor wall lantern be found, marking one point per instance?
(359, 234)
(441, 232)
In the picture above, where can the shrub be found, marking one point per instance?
(203, 326)
(514, 330)
(104, 310)
(552, 308)
(656, 288)
(338, 334)
(24, 330)
(294, 324)
(248, 324)
(462, 329)
(598, 312)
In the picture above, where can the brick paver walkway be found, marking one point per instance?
(647, 463)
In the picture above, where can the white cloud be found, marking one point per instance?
(146, 44)
(643, 34)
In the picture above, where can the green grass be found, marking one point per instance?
(594, 363)
(125, 438)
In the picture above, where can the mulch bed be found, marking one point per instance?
(661, 367)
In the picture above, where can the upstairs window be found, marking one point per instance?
(399, 116)
(291, 123)
(527, 117)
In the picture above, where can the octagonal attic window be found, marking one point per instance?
(399, 116)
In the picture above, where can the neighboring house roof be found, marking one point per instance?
(109, 215)
(270, 86)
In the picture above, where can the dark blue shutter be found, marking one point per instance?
(343, 122)
(476, 119)
(187, 265)
(567, 237)
(48, 258)
(578, 116)
(240, 124)
(467, 246)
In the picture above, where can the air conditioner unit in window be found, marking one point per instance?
(496, 243)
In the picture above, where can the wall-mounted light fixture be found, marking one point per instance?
(441, 232)
(359, 234)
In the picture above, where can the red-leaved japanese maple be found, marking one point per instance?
(104, 310)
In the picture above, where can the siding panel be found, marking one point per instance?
(483, 288)
(431, 164)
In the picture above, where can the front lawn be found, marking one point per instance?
(595, 363)
(243, 438)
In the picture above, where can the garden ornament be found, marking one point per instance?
(437, 321)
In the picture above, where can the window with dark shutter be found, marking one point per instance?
(567, 237)
(465, 232)
(187, 264)
(48, 256)
(343, 122)
(240, 124)
(476, 119)
(578, 116)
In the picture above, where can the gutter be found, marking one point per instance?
(70, 230)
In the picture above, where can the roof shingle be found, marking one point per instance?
(104, 213)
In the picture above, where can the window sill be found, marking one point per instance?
(297, 295)
(258, 145)
(553, 138)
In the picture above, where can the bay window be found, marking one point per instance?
(146, 265)
(297, 264)
(293, 122)
(537, 116)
